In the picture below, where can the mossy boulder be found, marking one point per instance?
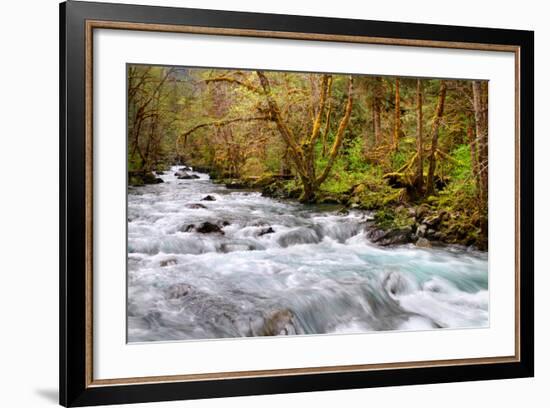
(183, 175)
(329, 199)
(237, 184)
(140, 178)
(423, 243)
(264, 180)
(389, 237)
(135, 181)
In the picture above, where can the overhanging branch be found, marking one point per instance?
(234, 81)
(217, 123)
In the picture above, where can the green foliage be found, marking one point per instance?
(340, 183)
(356, 157)
(393, 218)
(461, 191)
(370, 173)
(134, 164)
(343, 178)
(399, 159)
(462, 168)
(252, 167)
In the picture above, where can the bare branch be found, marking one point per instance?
(281, 126)
(339, 134)
(234, 81)
(325, 81)
(218, 123)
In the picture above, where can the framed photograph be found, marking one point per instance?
(256, 204)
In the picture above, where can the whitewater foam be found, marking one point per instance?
(277, 267)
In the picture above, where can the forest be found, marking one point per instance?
(412, 152)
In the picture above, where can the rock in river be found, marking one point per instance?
(390, 237)
(195, 206)
(423, 243)
(208, 228)
(265, 231)
(279, 323)
(181, 175)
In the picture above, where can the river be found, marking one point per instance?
(279, 267)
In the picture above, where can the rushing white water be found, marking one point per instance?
(278, 267)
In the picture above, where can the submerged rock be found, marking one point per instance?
(396, 284)
(301, 235)
(168, 262)
(278, 323)
(423, 243)
(195, 206)
(178, 290)
(344, 210)
(265, 231)
(203, 228)
(208, 228)
(187, 228)
(238, 246)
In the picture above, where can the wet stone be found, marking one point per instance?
(195, 206)
(208, 228)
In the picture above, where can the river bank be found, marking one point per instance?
(396, 219)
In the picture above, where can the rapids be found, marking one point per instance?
(271, 267)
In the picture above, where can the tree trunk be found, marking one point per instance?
(474, 157)
(284, 130)
(327, 120)
(339, 137)
(302, 151)
(376, 111)
(485, 145)
(480, 111)
(435, 136)
(397, 117)
(419, 145)
(480, 93)
(285, 164)
(146, 164)
(309, 190)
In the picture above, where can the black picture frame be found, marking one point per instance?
(75, 389)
